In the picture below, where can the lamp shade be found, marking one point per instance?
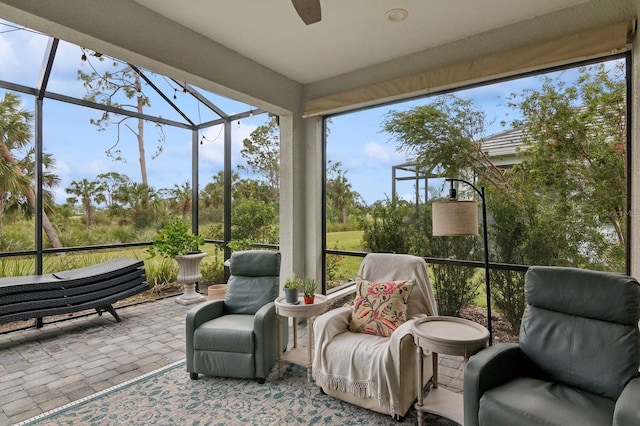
(454, 217)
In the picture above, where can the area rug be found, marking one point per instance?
(169, 397)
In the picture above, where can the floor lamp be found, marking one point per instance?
(455, 218)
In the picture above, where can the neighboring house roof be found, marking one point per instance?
(504, 148)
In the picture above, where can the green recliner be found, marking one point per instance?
(577, 360)
(238, 336)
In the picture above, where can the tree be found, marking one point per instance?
(88, 192)
(140, 203)
(385, 229)
(16, 176)
(180, 199)
(251, 189)
(105, 87)
(211, 202)
(340, 196)
(111, 181)
(262, 153)
(444, 137)
(575, 141)
(566, 203)
(253, 220)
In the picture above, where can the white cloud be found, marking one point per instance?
(383, 154)
(21, 52)
(212, 147)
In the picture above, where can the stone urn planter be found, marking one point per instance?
(176, 241)
(188, 275)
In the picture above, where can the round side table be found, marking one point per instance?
(298, 355)
(451, 336)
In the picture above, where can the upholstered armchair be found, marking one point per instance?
(374, 371)
(238, 336)
(577, 360)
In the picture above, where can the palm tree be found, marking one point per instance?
(140, 202)
(180, 198)
(340, 196)
(15, 178)
(88, 192)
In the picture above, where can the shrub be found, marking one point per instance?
(386, 230)
(174, 240)
(161, 271)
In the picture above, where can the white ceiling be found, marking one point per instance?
(353, 34)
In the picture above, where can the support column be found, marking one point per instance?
(634, 148)
(301, 196)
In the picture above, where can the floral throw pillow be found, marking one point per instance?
(380, 308)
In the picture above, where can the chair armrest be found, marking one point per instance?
(196, 316)
(325, 328)
(627, 411)
(485, 370)
(265, 328)
(264, 314)
(204, 312)
(332, 323)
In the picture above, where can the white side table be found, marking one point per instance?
(298, 355)
(446, 335)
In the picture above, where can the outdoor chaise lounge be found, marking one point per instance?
(93, 287)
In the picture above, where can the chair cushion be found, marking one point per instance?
(254, 281)
(585, 293)
(255, 263)
(535, 402)
(595, 356)
(578, 339)
(246, 295)
(380, 307)
(228, 333)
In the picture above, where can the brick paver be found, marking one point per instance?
(65, 361)
(68, 360)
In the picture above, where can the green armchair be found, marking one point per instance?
(238, 336)
(577, 360)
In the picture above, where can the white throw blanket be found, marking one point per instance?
(364, 365)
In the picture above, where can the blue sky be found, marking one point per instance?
(368, 153)
(356, 139)
(79, 149)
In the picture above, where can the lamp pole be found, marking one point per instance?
(485, 238)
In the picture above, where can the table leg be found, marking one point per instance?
(280, 346)
(420, 385)
(295, 332)
(435, 370)
(309, 348)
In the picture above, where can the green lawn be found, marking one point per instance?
(345, 240)
(346, 266)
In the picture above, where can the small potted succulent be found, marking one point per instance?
(292, 288)
(309, 289)
(176, 241)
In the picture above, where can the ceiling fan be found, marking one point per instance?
(309, 10)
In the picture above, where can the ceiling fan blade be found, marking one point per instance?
(309, 10)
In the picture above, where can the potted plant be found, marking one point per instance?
(291, 289)
(309, 289)
(177, 241)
